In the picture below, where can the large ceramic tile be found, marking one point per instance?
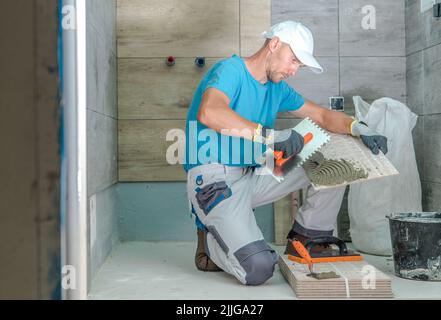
(318, 87)
(432, 28)
(414, 82)
(255, 17)
(372, 78)
(432, 80)
(189, 28)
(320, 16)
(431, 196)
(101, 152)
(103, 226)
(145, 153)
(415, 36)
(432, 148)
(101, 74)
(418, 144)
(149, 89)
(102, 15)
(385, 37)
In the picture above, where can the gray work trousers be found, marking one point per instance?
(223, 198)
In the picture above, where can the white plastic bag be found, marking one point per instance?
(371, 201)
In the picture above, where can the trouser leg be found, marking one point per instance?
(221, 197)
(317, 215)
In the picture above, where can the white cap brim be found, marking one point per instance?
(308, 60)
(304, 57)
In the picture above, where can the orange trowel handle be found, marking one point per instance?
(303, 252)
(278, 155)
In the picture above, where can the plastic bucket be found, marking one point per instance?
(416, 244)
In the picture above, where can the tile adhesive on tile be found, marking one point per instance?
(329, 172)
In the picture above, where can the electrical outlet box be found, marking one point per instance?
(426, 5)
(337, 103)
(437, 10)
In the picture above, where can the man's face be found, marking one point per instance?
(283, 64)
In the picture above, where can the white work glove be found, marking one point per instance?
(370, 138)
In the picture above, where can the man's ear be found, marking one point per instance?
(274, 44)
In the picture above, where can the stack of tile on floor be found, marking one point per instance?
(357, 280)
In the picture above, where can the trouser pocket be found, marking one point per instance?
(211, 195)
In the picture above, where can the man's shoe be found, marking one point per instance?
(294, 235)
(202, 261)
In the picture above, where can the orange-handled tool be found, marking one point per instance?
(301, 250)
(278, 155)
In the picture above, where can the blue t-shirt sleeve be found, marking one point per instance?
(226, 78)
(291, 100)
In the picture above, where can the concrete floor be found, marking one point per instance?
(165, 271)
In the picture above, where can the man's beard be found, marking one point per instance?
(275, 77)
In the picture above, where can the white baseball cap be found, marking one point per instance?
(299, 39)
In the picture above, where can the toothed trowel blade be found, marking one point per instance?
(319, 139)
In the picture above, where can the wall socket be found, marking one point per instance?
(337, 103)
(426, 5)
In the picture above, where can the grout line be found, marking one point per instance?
(429, 114)
(429, 181)
(102, 114)
(423, 49)
(104, 38)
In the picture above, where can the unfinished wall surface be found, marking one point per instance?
(30, 162)
(423, 50)
(158, 211)
(101, 130)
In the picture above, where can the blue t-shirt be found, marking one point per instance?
(252, 100)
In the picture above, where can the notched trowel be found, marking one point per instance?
(275, 164)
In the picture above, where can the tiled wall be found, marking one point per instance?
(153, 98)
(101, 129)
(423, 51)
(370, 63)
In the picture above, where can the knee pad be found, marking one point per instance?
(258, 260)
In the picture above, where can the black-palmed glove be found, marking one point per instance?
(287, 141)
(370, 138)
